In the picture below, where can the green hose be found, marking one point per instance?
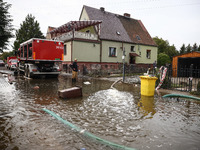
(87, 133)
(180, 95)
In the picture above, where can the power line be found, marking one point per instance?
(167, 6)
(137, 4)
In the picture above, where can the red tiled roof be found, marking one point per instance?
(136, 31)
(120, 28)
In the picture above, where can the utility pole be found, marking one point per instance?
(123, 58)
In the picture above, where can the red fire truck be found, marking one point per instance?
(11, 62)
(40, 57)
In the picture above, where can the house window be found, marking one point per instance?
(65, 50)
(118, 33)
(112, 52)
(148, 54)
(132, 48)
(138, 37)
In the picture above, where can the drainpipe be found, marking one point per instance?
(99, 32)
(71, 50)
(123, 58)
(100, 51)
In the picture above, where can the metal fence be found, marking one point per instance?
(182, 79)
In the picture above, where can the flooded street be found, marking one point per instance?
(120, 115)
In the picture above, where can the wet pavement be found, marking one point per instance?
(120, 115)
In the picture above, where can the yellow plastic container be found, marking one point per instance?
(148, 85)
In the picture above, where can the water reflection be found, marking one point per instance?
(147, 105)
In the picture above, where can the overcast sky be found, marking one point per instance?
(177, 21)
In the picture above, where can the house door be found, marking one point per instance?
(132, 59)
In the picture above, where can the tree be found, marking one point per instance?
(171, 51)
(198, 48)
(183, 49)
(162, 44)
(6, 54)
(195, 47)
(189, 48)
(164, 47)
(28, 29)
(163, 59)
(5, 25)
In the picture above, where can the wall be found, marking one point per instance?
(138, 48)
(91, 29)
(67, 57)
(105, 51)
(86, 51)
(143, 59)
(84, 15)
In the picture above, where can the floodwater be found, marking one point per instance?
(119, 115)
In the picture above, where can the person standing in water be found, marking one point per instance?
(74, 67)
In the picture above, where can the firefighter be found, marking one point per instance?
(74, 67)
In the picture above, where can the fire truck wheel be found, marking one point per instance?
(29, 74)
(26, 75)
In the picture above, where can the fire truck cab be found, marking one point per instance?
(11, 62)
(40, 57)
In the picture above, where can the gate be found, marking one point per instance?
(185, 79)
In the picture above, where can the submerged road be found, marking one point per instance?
(119, 115)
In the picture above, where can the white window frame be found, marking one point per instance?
(148, 54)
(109, 52)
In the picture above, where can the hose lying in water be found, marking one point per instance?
(85, 133)
(180, 95)
(115, 83)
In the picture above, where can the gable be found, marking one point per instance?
(111, 27)
(49, 29)
(84, 15)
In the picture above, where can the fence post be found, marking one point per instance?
(190, 77)
(169, 68)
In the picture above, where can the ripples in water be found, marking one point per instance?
(118, 115)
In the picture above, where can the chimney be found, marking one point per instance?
(102, 8)
(127, 15)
